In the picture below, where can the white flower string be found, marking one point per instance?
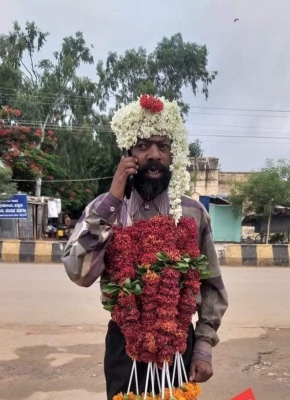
(174, 368)
(133, 121)
(134, 368)
(131, 376)
(179, 370)
(152, 381)
(163, 382)
(157, 376)
(183, 368)
(168, 378)
(166, 381)
(136, 378)
(147, 380)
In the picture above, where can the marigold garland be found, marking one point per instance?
(188, 391)
(154, 268)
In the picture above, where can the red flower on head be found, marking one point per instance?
(151, 103)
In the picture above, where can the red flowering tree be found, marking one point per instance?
(19, 150)
(74, 194)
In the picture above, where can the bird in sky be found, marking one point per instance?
(236, 20)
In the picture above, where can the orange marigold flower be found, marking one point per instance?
(151, 275)
(167, 325)
(150, 343)
(118, 396)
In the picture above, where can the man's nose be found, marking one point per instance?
(153, 152)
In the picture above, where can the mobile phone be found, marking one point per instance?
(129, 184)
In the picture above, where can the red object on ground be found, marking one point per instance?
(247, 395)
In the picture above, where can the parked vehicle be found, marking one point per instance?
(63, 232)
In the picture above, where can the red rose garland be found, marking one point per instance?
(154, 271)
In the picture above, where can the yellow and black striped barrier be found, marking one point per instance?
(228, 254)
(255, 254)
(31, 251)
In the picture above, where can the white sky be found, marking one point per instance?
(252, 57)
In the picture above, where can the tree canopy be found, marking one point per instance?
(60, 134)
(263, 191)
(195, 149)
(7, 187)
(172, 66)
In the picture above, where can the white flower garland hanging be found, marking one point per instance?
(157, 116)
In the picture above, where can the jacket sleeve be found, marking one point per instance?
(214, 299)
(83, 256)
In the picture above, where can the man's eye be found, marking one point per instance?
(141, 146)
(164, 147)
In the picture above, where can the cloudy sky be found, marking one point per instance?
(252, 57)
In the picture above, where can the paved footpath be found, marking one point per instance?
(52, 336)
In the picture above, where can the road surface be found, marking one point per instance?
(52, 336)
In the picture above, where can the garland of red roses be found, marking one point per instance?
(154, 268)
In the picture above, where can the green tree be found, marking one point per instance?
(172, 66)
(106, 159)
(75, 148)
(10, 80)
(88, 152)
(263, 191)
(7, 187)
(53, 97)
(51, 92)
(10, 72)
(195, 149)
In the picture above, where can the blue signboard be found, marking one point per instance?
(14, 208)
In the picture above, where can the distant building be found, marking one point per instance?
(209, 180)
(211, 187)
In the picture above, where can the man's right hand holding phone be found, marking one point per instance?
(127, 166)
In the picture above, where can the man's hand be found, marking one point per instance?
(200, 371)
(127, 166)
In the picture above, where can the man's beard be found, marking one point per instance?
(148, 187)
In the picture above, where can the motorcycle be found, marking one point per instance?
(63, 232)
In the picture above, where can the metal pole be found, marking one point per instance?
(38, 187)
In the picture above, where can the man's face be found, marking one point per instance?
(154, 159)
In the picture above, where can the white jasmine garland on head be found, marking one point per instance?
(150, 116)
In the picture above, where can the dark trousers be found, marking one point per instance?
(118, 365)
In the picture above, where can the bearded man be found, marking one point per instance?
(152, 131)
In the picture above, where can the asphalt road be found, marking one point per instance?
(52, 336)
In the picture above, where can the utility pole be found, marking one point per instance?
(38, 187)
(38, 181)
